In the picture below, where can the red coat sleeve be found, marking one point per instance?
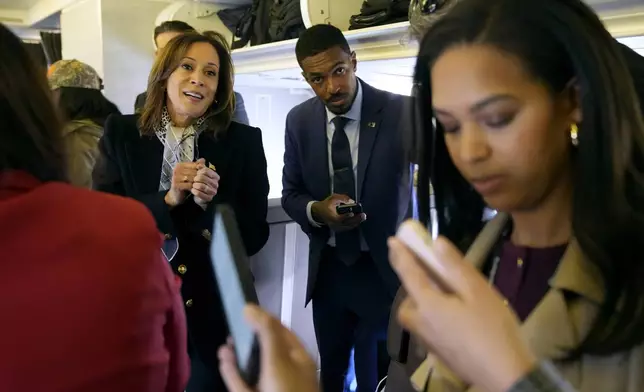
(175, 334)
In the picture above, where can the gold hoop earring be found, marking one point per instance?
(574, 134)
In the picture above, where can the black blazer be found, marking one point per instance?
(130, 165)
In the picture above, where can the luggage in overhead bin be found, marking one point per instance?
(424, 13)
(269, 21)
(285, 20)
(380, 12)
(232, 17)
(246, 30)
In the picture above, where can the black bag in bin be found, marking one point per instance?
(380, 12)
(231, 17)
(269, 21)
(253, 25)
(285, 20)
(425, 13)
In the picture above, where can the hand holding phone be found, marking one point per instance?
(286, 365)
(466, 319)
(418, 239)
(349, 208)
(231, 267)
(330, 212)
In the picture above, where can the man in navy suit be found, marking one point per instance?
(340, 147)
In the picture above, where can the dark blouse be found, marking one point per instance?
(523, 275)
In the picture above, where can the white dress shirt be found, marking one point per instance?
(172, 146)
(352, 129)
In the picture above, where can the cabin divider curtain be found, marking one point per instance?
(52, 46)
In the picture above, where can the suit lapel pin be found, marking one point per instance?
(371, 125)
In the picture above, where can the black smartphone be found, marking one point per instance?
(230, 264)
(355, 208)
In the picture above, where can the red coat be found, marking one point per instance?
(87, 302)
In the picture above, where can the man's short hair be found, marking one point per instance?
(318, 39)
(172, 26)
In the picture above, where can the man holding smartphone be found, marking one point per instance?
(347, 185)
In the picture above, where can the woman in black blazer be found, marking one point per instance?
(180, 158)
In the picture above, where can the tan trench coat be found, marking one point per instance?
(557, 324)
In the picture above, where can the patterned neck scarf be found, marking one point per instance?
(175, 150)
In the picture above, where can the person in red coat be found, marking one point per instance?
(89, 302)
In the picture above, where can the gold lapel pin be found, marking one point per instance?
(371, 125)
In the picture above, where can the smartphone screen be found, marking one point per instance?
(232, 272)
(418, 239)
(355, 208)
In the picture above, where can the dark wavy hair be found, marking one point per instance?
(558, 41)
(30, 132)
(172, 26)
(220, 114)
(85, 104)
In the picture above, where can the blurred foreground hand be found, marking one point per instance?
(285, 366)
(463, 328)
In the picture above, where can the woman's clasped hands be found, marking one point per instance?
(193, 178)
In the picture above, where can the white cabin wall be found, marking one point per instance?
(267, 109)
(393, 83)
(81, 35)
(636, 43)
(128, 49)
(115, 37)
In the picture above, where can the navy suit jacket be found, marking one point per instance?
(384, 181)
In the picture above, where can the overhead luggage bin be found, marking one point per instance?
(200, 15)
(373, 43)
(625, 23)
(384, 42)
(335, 12)
(229, 3)
(274, 64)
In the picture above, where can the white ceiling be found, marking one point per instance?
(613, 5)
(18, 4)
